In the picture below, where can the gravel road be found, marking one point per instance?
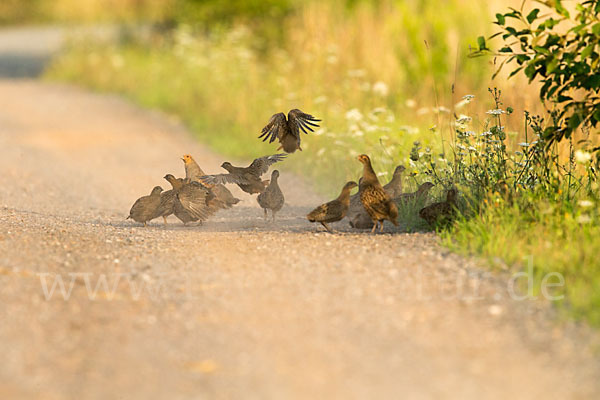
(237, 308)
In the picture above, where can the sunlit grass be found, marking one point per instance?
(380, 78)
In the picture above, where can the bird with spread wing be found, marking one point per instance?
(247, 178)
(222, 196)
(288, 131)
(189, 200)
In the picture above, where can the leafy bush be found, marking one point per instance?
(563, 52)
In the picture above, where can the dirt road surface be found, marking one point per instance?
(237, 308)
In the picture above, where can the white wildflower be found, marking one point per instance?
(582, 157)
(354, 115)
(332, 59)
(423, 111)
(468, 97)
(381, 89)
(585, 203)
(584, 219)
(382, 173)
(486, 133)
(442, 109)
(497, 111)
(358, 133)
(320, 100)
(410, 103)
(463, 119)
(524, 144)
(321, 152)
(471, 148)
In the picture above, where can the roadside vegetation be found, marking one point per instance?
(393, 79)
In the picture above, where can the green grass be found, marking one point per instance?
(556, 241)
(367, 74)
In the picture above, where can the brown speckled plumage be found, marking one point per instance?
(357, 215)
(247, 178)
(442, 212)
(222, 196)
(190, 203)
(375, 200)
(334, 210)
(145, 207)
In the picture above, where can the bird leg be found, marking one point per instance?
(145, 225)
(165, 219)
(374, 226)
(381, 228)
(266, 214)
(273, 213)
(327, 227)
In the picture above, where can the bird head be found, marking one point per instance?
(425, 187)
(350, 185)
(399, 169)
(169, 177)
(226, 165)
(274, 174)
(363, 158)
(187, 159)
(157, 190)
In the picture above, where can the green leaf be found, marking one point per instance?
(587, 51)
(481, 43)
(501, 19)
(505, 49)
(533, 15)
(551, 65)
(596, 28)
(542, 50)
(561, 9)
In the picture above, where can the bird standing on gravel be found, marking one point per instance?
(222, 196)
(394, 187)
(288, 131)
(334, 210)
(442, 212)
(190, 203)
(357, 214)
(272, 197)
(144, 208)
(248, 178)
(375, 200)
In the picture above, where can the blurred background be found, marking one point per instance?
(381, 74)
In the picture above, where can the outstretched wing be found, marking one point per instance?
(275, 128)
(299, 120)
(193, 199)
(261, 165)
(223, 179)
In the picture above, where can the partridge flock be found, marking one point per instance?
(199, 195)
